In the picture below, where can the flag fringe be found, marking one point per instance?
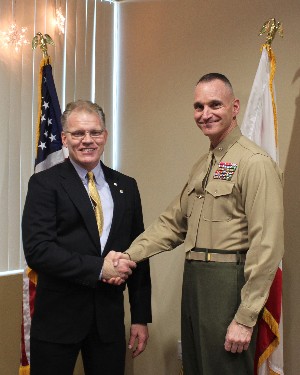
(24, 370)
(271, 372)
(266, 354)
(272, 74)
(271, 321)
(274, 327)
(32, 275)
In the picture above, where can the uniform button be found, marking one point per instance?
(220, 148)
(199, 196)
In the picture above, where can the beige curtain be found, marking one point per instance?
(82, 68)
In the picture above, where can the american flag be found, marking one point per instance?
(49, 144)
(49, 151)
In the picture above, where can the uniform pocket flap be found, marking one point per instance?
(219, 188)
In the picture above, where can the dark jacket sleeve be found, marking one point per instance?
(139, 283)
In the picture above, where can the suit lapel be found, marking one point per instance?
(117, 193)
(74, 187)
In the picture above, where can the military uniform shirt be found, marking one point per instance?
(241, 207)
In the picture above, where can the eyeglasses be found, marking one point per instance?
(80, 134)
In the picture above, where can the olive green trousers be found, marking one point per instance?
(211, 294)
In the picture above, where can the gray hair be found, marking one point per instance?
(82, 106)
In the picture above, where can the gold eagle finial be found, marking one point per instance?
(271, 27)
(42, 41)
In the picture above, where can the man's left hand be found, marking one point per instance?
(238, 337)
(139, 333)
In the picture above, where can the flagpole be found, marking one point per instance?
(48, 153)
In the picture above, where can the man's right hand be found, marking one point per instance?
(238, 337)
(116, 268)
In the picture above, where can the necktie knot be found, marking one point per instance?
(96, 201)
(90, 176)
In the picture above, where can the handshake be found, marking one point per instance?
(116, 268)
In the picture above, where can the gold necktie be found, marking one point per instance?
(96, 201)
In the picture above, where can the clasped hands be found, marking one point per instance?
(116, 268)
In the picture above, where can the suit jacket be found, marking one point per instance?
(61, 242)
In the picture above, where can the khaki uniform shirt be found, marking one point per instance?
(241, 207)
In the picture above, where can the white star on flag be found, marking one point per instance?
(46, 105)
(42, 145)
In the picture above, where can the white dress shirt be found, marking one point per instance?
(105, 196)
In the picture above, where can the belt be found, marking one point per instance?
(214, 255)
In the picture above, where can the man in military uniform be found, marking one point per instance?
(230, 217)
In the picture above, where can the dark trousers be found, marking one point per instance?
(98, 358)
(211, 295)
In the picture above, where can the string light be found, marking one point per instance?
(60, 21)
(15, 37)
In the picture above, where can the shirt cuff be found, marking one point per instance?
(127, 254)
(246, 316)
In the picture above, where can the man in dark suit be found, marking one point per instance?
(74, 309)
